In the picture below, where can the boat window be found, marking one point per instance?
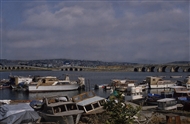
(63, 83)
(160, 105)
(49, 110)
(57, 109)
(88, 107)
(71, 107)
(80, 108)
(102, 102)
(43, 80)
(128, 94)
(95, 105)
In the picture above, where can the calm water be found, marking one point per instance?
(91, 79)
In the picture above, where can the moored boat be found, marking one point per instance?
(134, 93)
(51, 83)
(158, 82)
(60, 109)
(122, 85)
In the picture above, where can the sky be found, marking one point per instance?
(142, 31)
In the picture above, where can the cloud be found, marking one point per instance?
(107, 31)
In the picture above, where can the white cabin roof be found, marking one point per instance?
(90, 100)
(166, 100)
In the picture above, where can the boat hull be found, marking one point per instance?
(69, 119)
(160, 86)
(53, 88)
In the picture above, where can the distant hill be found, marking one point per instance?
(179, 62)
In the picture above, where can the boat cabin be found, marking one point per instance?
(55, 108)
(167, 104)
(89, 102)
(134, 93)
(58, 104)
(158, 82)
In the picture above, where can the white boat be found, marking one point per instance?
(134, 93)
(60, 109)
(158, 82)
(167, 104)
(16, 80)
(50, 83)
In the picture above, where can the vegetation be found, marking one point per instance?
(118, 111)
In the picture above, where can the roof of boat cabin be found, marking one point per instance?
(90, 100)
(166, 100)
(59, 103)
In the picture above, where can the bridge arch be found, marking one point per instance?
(135, 70)
(143, 69)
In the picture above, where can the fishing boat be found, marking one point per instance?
(51, 83)
(158, 82)
(180, 91)
(16, 80)
(122, 85)
(60, 109)
(19, 83)
(89, 102)
(152, 97)
(134, 93)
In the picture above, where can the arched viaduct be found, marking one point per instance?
(162, 68)
(4, 68)
(21, 67)
(135, 68)
(72, 69)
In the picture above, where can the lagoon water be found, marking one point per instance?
(91, 79)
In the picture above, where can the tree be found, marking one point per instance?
(119, 112)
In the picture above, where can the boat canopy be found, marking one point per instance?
(18, 113)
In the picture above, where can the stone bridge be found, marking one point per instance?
(23, 67)
(19, 67)
(133, 68)
(162, 68)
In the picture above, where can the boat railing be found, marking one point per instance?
(83, 96)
